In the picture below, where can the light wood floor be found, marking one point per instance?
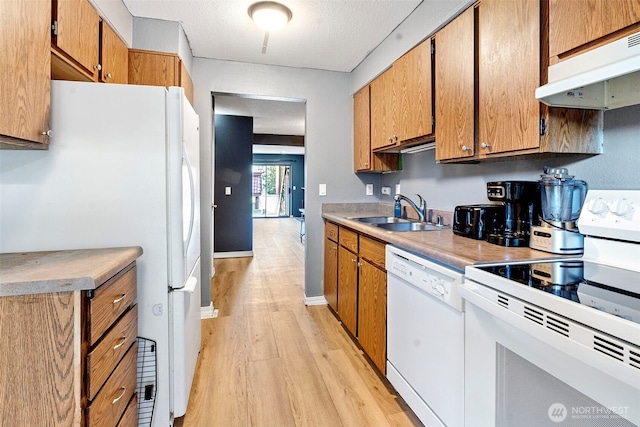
(268, 360)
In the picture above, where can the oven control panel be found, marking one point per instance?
(613, 214)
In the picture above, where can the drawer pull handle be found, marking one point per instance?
(123, 340)
(114, 401)
(117, 300)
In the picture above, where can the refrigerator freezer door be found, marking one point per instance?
(185, 339)
(183, 171)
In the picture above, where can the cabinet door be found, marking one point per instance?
(412, 80)
(186, 83)
(114, 56)
(509, 73)
(78, 33)
(372, 313)
(331, 273)
(153, 68)
(348, 289)
(25, 83)
(455, 88)
(361, 130)
(383, 111)
(574, 23)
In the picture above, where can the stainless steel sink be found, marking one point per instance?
(411, 226)
(376, 220)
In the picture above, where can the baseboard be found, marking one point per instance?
(315, 301)
(239, 254)
(208, 312)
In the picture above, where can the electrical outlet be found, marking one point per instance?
(369, 190)
(386, 191)
(397, 188)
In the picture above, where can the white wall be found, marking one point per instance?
(162, 36)
(328, 139)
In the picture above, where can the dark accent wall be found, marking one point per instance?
(233, 224)
(297, 175)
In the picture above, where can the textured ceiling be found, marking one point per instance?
(323, 34)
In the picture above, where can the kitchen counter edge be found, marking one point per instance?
(442, 246)
(27, 273)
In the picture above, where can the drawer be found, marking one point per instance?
(373, 251)
(109, 405)
(110, 301)
(130, 416)
(102, 360)
(349, 239)
(331, 231)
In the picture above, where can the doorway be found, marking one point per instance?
(271, 190)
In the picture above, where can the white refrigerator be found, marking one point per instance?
(122, 170)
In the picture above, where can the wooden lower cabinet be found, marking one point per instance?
(331, 265)
(348, 289)
(70, 358)
(361, 288)
(372, 313)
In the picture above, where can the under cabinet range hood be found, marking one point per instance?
(604, 78)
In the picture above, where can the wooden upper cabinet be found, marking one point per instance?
(25, 83)
(575, 24)
(413, 86)
(76, 37)
(402, 102)
(383, 110)
(455, 88)
(114, 56)
(361, 130)
(509, 73)
(159, 69)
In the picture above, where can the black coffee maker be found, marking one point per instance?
(521, 201)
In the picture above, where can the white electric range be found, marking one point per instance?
(559, 341)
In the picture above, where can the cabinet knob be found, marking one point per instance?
(48, 133)
(389, 139)
(465, 148)
(366, 165)
(485, 145)
(107, 76)
(97, 67)
(395, 137)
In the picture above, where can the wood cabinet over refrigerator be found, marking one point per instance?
(159, 69)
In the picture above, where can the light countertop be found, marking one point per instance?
(24, 273)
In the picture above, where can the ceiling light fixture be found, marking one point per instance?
(269, 15)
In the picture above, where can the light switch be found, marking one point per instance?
(397, 188)
(322, 189)
(227, 191)
(369, 190)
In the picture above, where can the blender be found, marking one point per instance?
(561, 202)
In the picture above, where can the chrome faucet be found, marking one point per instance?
(422, 210)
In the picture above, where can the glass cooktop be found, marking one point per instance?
(610, 289)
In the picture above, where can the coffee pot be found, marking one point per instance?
(562, 196)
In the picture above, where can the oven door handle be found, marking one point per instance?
(477, 295)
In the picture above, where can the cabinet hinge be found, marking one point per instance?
(543, 126)
(433, 49)
(433, 122)
(54, 28)
(90, 293)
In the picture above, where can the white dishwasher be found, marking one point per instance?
(425, 337)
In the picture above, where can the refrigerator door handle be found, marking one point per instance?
(187, 163)
(189, 287)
